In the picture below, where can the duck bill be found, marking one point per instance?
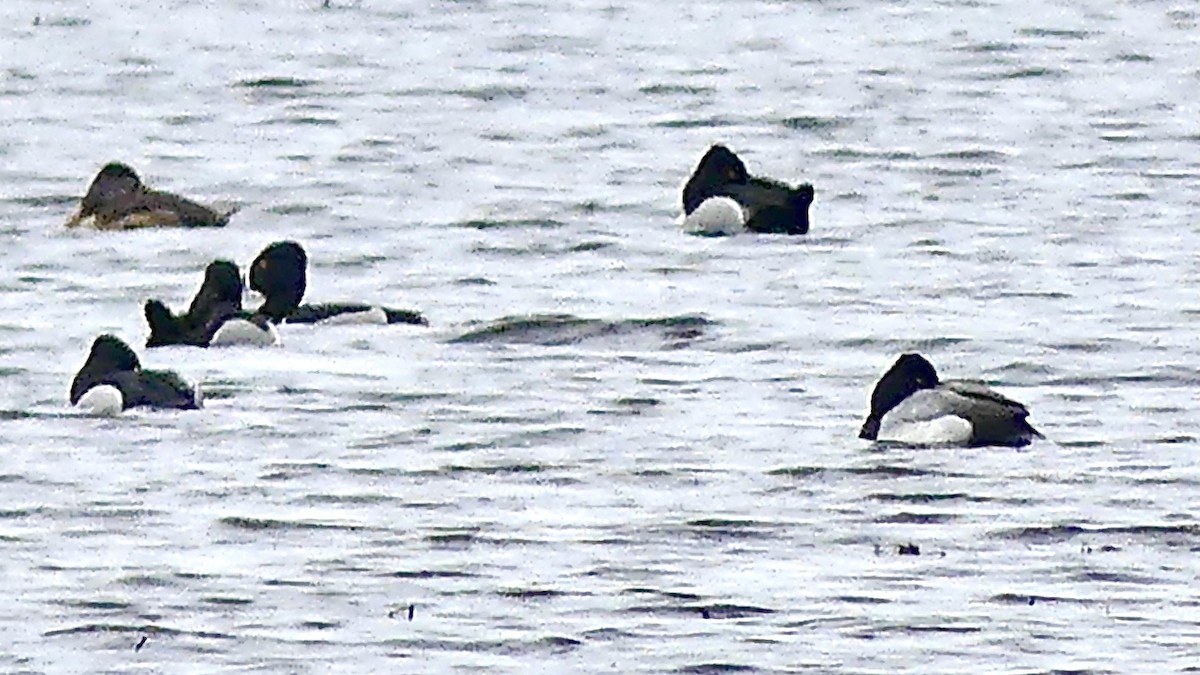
(76, 218)
(870, 430)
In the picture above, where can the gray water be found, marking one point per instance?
(660, 471)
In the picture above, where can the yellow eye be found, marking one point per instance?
(731, 174)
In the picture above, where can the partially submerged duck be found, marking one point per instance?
(117, 200)
(112, 380)
(214, 318)
(911, 405)
(721, 197)
(280, 274)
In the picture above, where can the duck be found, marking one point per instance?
(280, 274)
(214, 318)
(911, 405)
(721, 197)
(117, 200)
(112, 380)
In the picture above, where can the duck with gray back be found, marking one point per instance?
(112, 380)
(214, 318)
(117, 200)
(911, 405)
(721, 197)
(280, 274)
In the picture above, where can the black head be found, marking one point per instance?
(801, 198)
(280, 273)
(717, 168)
(115, 181)
(908, 375)
(109, 355)
(222, 284)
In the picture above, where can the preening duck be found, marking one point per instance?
(112, 380)
(214, 318)
(911, 405)
(721, 197)
(117, 200)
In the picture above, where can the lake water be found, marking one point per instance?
(658, 472)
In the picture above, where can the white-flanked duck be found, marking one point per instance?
(721, 197)
(112, 380)
(280, 273)
(911, 405)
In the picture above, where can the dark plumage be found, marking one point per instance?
(911, 393)
(117, 200)
(280, 273)
(218, 301)
(111, 362)
(768, 206)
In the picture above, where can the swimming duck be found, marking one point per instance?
(214, 318)
(112, 380)
(117, 200)
(721, 197)
(280, 274)
(911, 405)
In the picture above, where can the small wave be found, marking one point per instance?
(905, 517)
(275, 524)
(275, 83)
(531, 593)
(815, 123)
(928, 497)
(1116, 578)
(708, 123)
(673, 595)
(1051, 534)
(151, 629)
(226, 601)
(431, 574)
(715, 668)
(491, 224)
(563, 329)
(672, 89)
(1056, 33)
(492, 93)
(628, 406)
(1026, 73)
(882, 471)
(716, 611)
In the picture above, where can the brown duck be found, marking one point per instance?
(117, 200)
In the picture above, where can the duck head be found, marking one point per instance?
(109, 355)
(222, 284)
(719, 167)
(280, 274)
(116, 182)
(908, 375)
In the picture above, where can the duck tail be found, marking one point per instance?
(405, 316)
(164, 327)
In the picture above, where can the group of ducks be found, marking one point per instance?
(909, 404)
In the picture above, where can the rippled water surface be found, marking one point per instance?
(616, 448)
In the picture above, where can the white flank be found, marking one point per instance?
(373, 316)
(237, 332)
(944, 430)
(102, 401)
(717, 216)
